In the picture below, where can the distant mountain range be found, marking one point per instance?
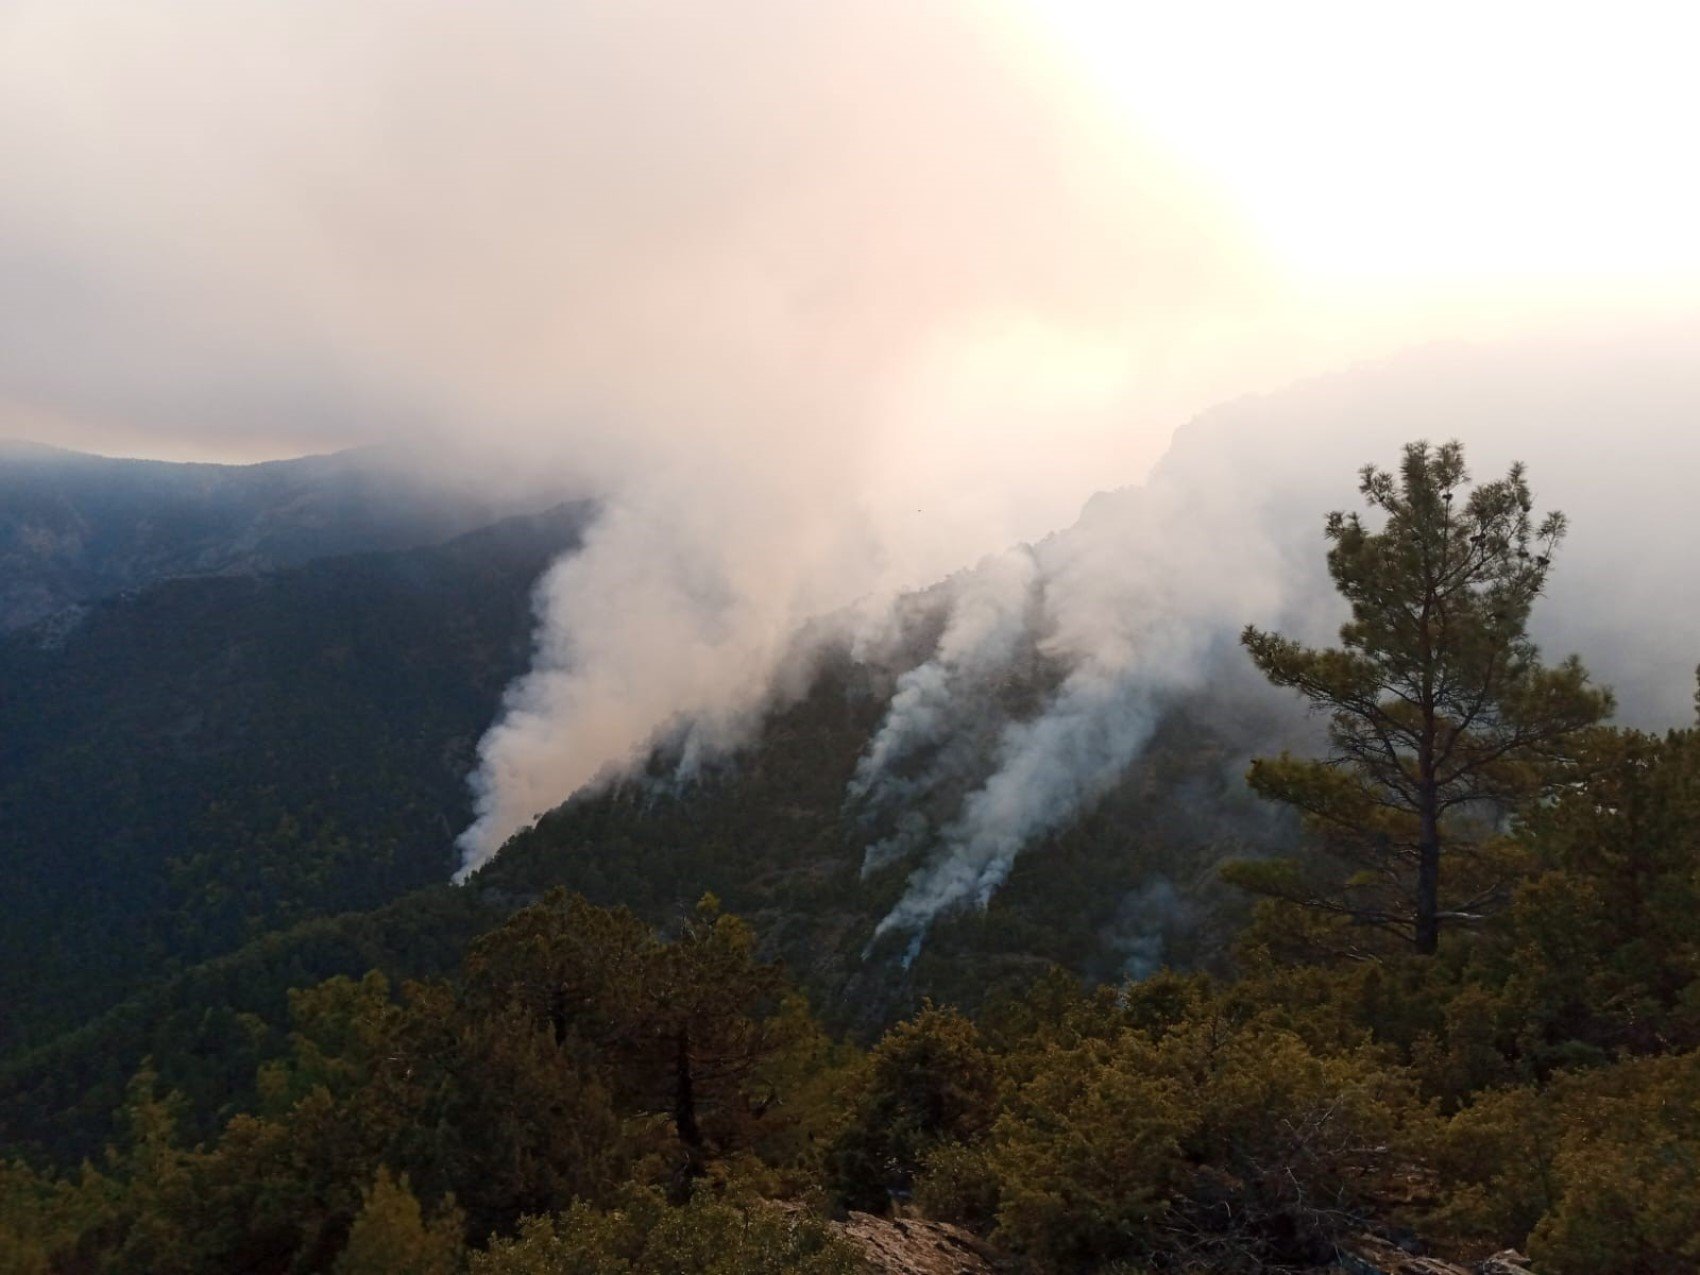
(76, 527)
(218, 745)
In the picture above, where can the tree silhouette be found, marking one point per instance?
(1442, 719)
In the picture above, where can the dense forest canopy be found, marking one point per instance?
(215, 758)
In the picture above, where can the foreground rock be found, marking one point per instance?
(911, 1246)
(903, 1246)
(1371, 1255)
(907, 1246)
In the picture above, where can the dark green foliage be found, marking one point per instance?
(206, 1030)
(642, 1100)
(1172, 1125)
(1600, 1169)
(576, 1054)
(391, 1235)
(929, 1082)
(689, 1032)
(215, 759)
(642, 1236)
(1489, 1097)
(1441, 716)
(1604, 954)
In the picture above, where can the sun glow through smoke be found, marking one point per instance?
(1420, 149)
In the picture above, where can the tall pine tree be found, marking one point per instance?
(1442, 719)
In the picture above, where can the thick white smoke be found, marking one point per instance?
(790, 286)
(1135, 601)
(810, 262)
(1141, 600)
(942, 702)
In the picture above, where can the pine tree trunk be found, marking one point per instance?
(1428, 874)
(685, 1120)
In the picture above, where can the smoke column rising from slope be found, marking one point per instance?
(789, 287)
(1141, 600)
(1135, 598)
(936, 704)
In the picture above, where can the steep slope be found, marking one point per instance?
(207, 1029)
(1130, 886)
(75, 527)
(215, 757)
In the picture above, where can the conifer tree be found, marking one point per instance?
(1442, 718)
(392, 1237)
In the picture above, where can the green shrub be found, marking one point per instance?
(644, 1236)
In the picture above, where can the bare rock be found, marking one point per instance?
(907, 1246)
(1373, 1255)
(912, 1246)
(1509, 1262)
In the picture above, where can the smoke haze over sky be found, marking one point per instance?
(1139, 603)
(825, 299)
(259, 230)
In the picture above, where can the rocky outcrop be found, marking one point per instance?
(909, 1246)
(903, 1246)
(1372, 1255)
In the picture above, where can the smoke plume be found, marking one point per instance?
(944, 703)
(1141, 600)
(789, 287)
(820, 301)
(1136, 598)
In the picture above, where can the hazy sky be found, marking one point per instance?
(232, 231)
(1388, 150)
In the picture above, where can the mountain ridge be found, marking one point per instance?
(209, 757)
(75, 526)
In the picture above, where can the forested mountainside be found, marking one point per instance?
(1194, 1030)
(209, 759)
(76, 527)
(580, 1093)
(1129, 888)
